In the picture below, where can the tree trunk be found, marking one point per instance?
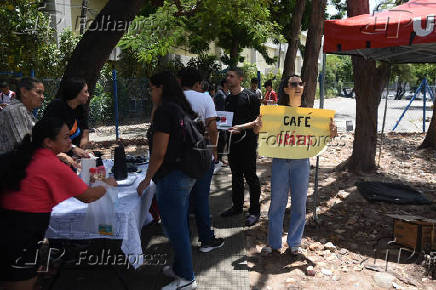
(369, 81)
(98, 41)
(234, 53)
(430, 138)
(293, 39)
(311, 53)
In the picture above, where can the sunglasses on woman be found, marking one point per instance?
(296, 84)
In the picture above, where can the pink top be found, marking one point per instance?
(48, 182)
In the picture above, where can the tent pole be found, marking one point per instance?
(384, 116)
(321, 106)
(115, 89)
(424, 107)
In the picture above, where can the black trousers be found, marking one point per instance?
(19, 244)
(242, 161)
(222, 142)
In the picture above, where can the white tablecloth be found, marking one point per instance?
(131, 213)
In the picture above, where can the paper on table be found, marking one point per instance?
(226, 120)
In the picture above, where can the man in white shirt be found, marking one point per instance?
(190, 80)
(6, 95)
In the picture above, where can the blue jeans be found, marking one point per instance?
(200, 202)
(288, 174)
(173, 200)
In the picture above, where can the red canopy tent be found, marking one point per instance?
(404, 34)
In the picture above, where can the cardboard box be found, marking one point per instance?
(415, 232)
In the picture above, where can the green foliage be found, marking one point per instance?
(101, 105)
(422, 71)
(250, 71)
(403, 73)
(341, 9)
(282, 11)
(28, 41)
(207, 65)
(56, 57)
(150, 37)
(389, 4)
(25, 35)
(338, 74)
(233, 25)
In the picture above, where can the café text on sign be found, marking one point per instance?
(294, 133)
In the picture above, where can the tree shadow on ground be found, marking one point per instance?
(428, 108)
(358, 217)
(402, 150)
(346, 219)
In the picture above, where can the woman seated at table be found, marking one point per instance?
(173, 185)
(70, 108)
(33, 181)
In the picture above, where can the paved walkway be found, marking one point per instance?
(223, 268)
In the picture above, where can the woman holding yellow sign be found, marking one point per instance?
(287, 174)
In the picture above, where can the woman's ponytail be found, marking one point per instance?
(13, 164)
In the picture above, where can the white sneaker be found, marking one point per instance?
(217, 167)
(181, 284)
(296, 250)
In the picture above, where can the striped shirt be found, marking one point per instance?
(15, 122)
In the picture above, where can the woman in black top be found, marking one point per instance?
(173, 185)
(70, 108)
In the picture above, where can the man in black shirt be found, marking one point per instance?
(242, 157)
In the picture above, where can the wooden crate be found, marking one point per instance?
(415, 232)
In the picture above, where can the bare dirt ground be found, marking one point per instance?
(354, 226)
(341, 247)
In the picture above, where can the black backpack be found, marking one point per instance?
(196, 157)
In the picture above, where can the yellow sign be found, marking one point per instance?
(294, 133)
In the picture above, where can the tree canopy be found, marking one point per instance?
(25, 34)
(232, 25)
